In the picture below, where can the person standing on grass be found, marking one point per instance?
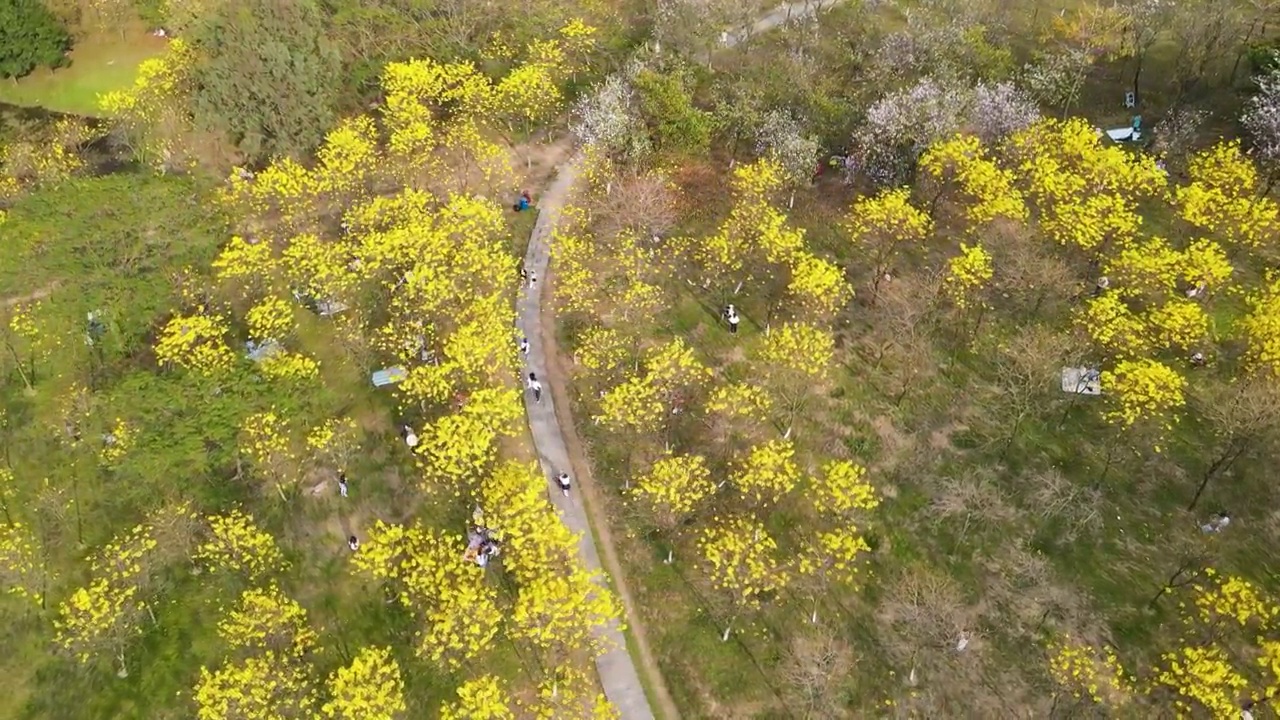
(353, 543)
(410, 437)
(534, 386)
(342, 483)
(564, 481)
(731, 315)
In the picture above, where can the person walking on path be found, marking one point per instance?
(564, 481)
(524, 346)
(534, 387)
(342, 484)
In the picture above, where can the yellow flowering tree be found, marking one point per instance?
(334, 443)
(266, 685)
(153, 113)
(196, 343)
(99, 617)
(1143, 390)
(368, 688)
(830, 558)
(1113, 328)
(267, 443)
(235, 543)
(842, 490)
(1087, 673)
(988, 190)
(1222, 198)
(967, 274)
(1202, 677)
(1178, 323)
(737, 407)
(247, 265)
(742, 560)
(883, 226)
(21, 571)
(768, 473)
(28, 346)
(801, 348)
(674, 486)
(483, 698)
(271, 319)
(265, 619)
(1147, 268)
(1204, 262)
(457, 609)
(1260, 326)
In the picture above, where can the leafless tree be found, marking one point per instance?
(1176, 134)
(814, 668)
(1028, 274)
(1027, 371)
(644, 203)
(1245, 416)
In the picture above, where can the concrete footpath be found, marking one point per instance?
(618, 674)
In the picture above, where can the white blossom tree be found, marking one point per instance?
(781, 138)
(607, 119)
(1056, 78)
(902, 124)
(1000, 110)
(1261, 119)
(1176, 133)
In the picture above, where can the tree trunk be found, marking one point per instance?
(1137, 77)
(1219, 466)
(1248, 35)
(1169, 584)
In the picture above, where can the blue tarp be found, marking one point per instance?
(389, 376)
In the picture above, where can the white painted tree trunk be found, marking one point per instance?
(725, 637)
(670, 556)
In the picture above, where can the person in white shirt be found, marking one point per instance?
(731, 314)
(564, 481)
(353, 543)
(534, 387)
(342, 484)
(410, 437)
(524, 346)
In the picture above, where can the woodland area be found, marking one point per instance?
(914, 358)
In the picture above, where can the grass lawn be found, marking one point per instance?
(96, 65)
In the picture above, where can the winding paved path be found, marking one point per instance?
(618, 674)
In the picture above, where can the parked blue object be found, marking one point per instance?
(389, 376)
(258, 352)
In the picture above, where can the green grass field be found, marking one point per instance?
(97, 65)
